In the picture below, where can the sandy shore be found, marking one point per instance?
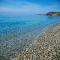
(47, 46)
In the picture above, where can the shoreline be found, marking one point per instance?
(35, 40)
(47, 43)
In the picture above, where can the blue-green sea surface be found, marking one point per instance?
(17, 32)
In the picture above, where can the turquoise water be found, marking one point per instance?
(25, 23)
(16, 32)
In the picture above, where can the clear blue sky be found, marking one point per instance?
(29, 6)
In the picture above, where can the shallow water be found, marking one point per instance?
(17, 32)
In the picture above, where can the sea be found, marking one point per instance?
(19, 32)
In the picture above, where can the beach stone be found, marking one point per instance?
(47, 46)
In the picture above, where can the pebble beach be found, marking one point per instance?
(47, 46)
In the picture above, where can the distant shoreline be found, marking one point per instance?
(51, 14)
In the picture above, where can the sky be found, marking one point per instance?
(28, 6)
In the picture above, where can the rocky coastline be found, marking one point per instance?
(53, 14)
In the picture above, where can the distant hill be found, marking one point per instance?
(53, 13)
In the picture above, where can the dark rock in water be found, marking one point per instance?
(53, 14)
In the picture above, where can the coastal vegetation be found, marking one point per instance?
(53, 14)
